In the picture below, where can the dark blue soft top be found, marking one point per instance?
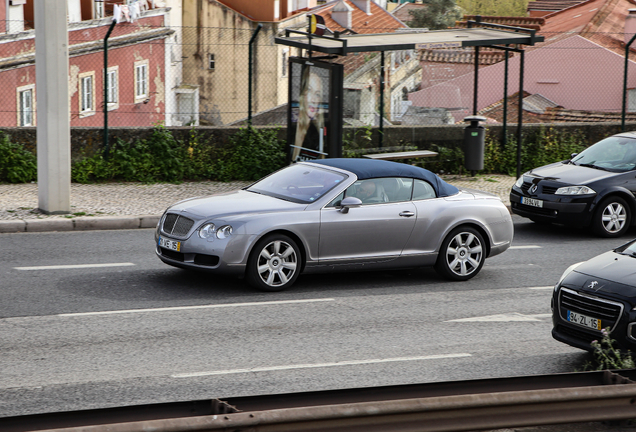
(372, 168)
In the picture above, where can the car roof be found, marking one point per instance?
(365, 168)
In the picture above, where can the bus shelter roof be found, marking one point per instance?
(452, 38)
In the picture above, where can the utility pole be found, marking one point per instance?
(53, 117)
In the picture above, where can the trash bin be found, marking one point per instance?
(474, 136)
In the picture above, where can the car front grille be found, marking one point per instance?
(199, 259)
(548, 190)
(177, 225)
(525, 186)
(607, 311)
(540, 211)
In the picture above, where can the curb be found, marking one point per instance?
(79, 224)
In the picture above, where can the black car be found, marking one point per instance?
(595, 295)
(595, 188)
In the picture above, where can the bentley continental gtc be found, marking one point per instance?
(332, 215)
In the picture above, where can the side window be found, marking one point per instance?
(336, 201)
(423, 190)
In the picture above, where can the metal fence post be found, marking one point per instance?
(249, 87)
(625, 82)
(110, 29)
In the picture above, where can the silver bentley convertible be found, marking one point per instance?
(336, 215)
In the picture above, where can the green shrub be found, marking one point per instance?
(544, 147)
(252, 154)
(17, 165)
(159, 158)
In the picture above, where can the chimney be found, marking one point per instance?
(341, 13)
(630, 26)
(364, 5)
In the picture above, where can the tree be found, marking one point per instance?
(437, 15)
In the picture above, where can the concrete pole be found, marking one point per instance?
(53, 124)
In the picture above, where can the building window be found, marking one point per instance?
(87, 94)
(211, 61)
(285, 60)
(112, 87)
(141, 81)
(98, 9)
(26, 105)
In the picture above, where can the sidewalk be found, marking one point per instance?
(135, 205)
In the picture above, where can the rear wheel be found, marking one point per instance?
(462, 254)
(612, 217)
(274, 263)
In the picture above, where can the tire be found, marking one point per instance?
(462, 254)
(274, 264)
(612, 217)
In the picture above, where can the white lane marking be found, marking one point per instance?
(75, 266)
(509, 317)
(526, 247)
(542, 287)
(179, 308)
(318, 365)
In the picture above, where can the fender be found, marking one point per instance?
(620, 191)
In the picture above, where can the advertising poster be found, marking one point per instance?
(310, 113)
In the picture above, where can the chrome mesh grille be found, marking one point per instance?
(607, 311)
(177, 225)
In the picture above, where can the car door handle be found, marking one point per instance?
(407, 214)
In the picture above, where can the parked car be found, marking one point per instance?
(335, 215)
(595, 188)
(597, 294)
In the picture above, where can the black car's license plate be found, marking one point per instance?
(531, 202)
(584, 320)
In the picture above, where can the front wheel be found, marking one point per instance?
(274, 264)
(612, 218)
(462, 254)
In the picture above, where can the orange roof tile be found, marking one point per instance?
(380, 20)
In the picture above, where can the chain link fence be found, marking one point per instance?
(189, 76)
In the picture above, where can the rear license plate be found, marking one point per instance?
(584, 321)
(531, 202)
(170, 244)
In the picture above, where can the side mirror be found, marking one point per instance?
(573, 155)
(349, 202)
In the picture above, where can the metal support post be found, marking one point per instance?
(250, 73)
(631, 41)
(110, 29)
(381, 128)
(520, 120)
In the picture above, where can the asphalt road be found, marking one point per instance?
(126, 329)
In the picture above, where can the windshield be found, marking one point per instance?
(628, 249)
(298, 183)
(616, 153)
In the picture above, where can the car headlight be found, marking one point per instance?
(519, 181)
(566, 273)
(207, 230)
(224, 232)
(575, 190)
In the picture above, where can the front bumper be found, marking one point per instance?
(623, 328)
(556, 209)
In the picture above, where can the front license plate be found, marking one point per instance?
(531, 202)
(584, 321)
(170, 244)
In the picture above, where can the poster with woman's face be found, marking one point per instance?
(309, 111)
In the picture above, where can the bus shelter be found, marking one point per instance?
(329, 74)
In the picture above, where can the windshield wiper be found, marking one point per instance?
(591, 165)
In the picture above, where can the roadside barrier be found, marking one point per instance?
(448, 406)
